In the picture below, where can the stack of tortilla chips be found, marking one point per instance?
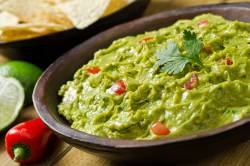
(24, 19)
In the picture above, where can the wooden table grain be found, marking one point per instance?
(62, 154)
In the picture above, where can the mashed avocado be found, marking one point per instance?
(122, 92)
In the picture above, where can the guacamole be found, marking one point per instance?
(123, 92)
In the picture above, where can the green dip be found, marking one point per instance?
(221, 95)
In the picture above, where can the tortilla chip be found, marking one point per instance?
(116, 5)
(27, 31)
(84, 12)
(55, 1)
(35, 11)
(8, 19)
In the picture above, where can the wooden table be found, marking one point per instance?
(62, 154)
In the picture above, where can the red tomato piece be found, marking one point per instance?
(203, 23)
(93, 70)
(189, 85)
(229, 61)
(121, 84)
(147, 40)
(159, 128)
(118, 88)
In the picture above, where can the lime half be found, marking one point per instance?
(11, 101)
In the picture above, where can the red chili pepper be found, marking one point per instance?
(147, 40)
(159, 129)
(203, 23)
(229, 61)
(93, 70)
(189, 85)
(118, 88)
(26, 142)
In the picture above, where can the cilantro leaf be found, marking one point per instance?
(193, 46)
(172, 61)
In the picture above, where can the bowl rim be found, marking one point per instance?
(114, 144)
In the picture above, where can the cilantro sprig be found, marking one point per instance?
(172, 61)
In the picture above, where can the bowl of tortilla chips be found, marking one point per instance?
(39, 31)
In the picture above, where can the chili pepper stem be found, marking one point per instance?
(19, 153)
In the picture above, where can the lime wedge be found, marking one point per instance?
(11, 101)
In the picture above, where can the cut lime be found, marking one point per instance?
(24, 72)
(11, 101)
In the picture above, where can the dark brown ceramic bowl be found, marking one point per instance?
(43, 50)
(191, 147)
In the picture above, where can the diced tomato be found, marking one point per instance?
(203, 23)
(159, 128)
(192, 83)
(93, 70)
(118, 88)
(229, 61)
(121, 84)
(147, 40)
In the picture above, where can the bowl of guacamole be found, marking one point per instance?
(173, 80)
(189, 77)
